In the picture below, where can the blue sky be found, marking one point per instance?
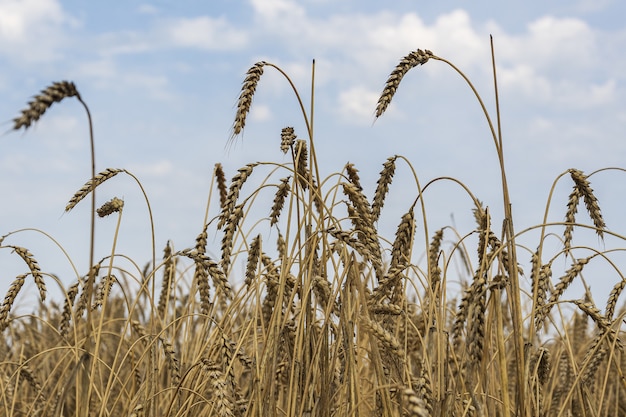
(162, 80)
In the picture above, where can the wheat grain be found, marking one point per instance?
(114, 205)
(43, 101)
(382, 186)
(410, 61)
(253, 75)
(91, 184)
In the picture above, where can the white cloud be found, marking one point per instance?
(204, 32)
(357, 105)
(277, 9)
(32, 30)
(260, 112)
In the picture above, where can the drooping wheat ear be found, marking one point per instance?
(353, 175)
(593, 358)
(612, 300)
(589, 308)
(172, 360)
(66, 315)
(220, 178)
(222, 396)
(540, 364)
(287, 139)
(279, 200)
(104, 288)
(562, 285)
(9, 299)
(301, 158)
(410, 61)
(89, 185)
(323, 292)
(43, 101)
(386, 338)
(563, 383)
(247, 94)
(219, 279)
(167, 286)
(591, 202)
(35, 271)
(233, 193)
(254, 254)
(386, 309)
(382, 186)
(83, 301)
(27, 373)
(415, 406)
(115, 205)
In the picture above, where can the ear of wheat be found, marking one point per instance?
(42, 102)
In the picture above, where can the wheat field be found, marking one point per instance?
(304, 308)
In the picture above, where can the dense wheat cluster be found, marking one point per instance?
(310, 311)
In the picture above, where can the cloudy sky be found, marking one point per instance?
(162, 79)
